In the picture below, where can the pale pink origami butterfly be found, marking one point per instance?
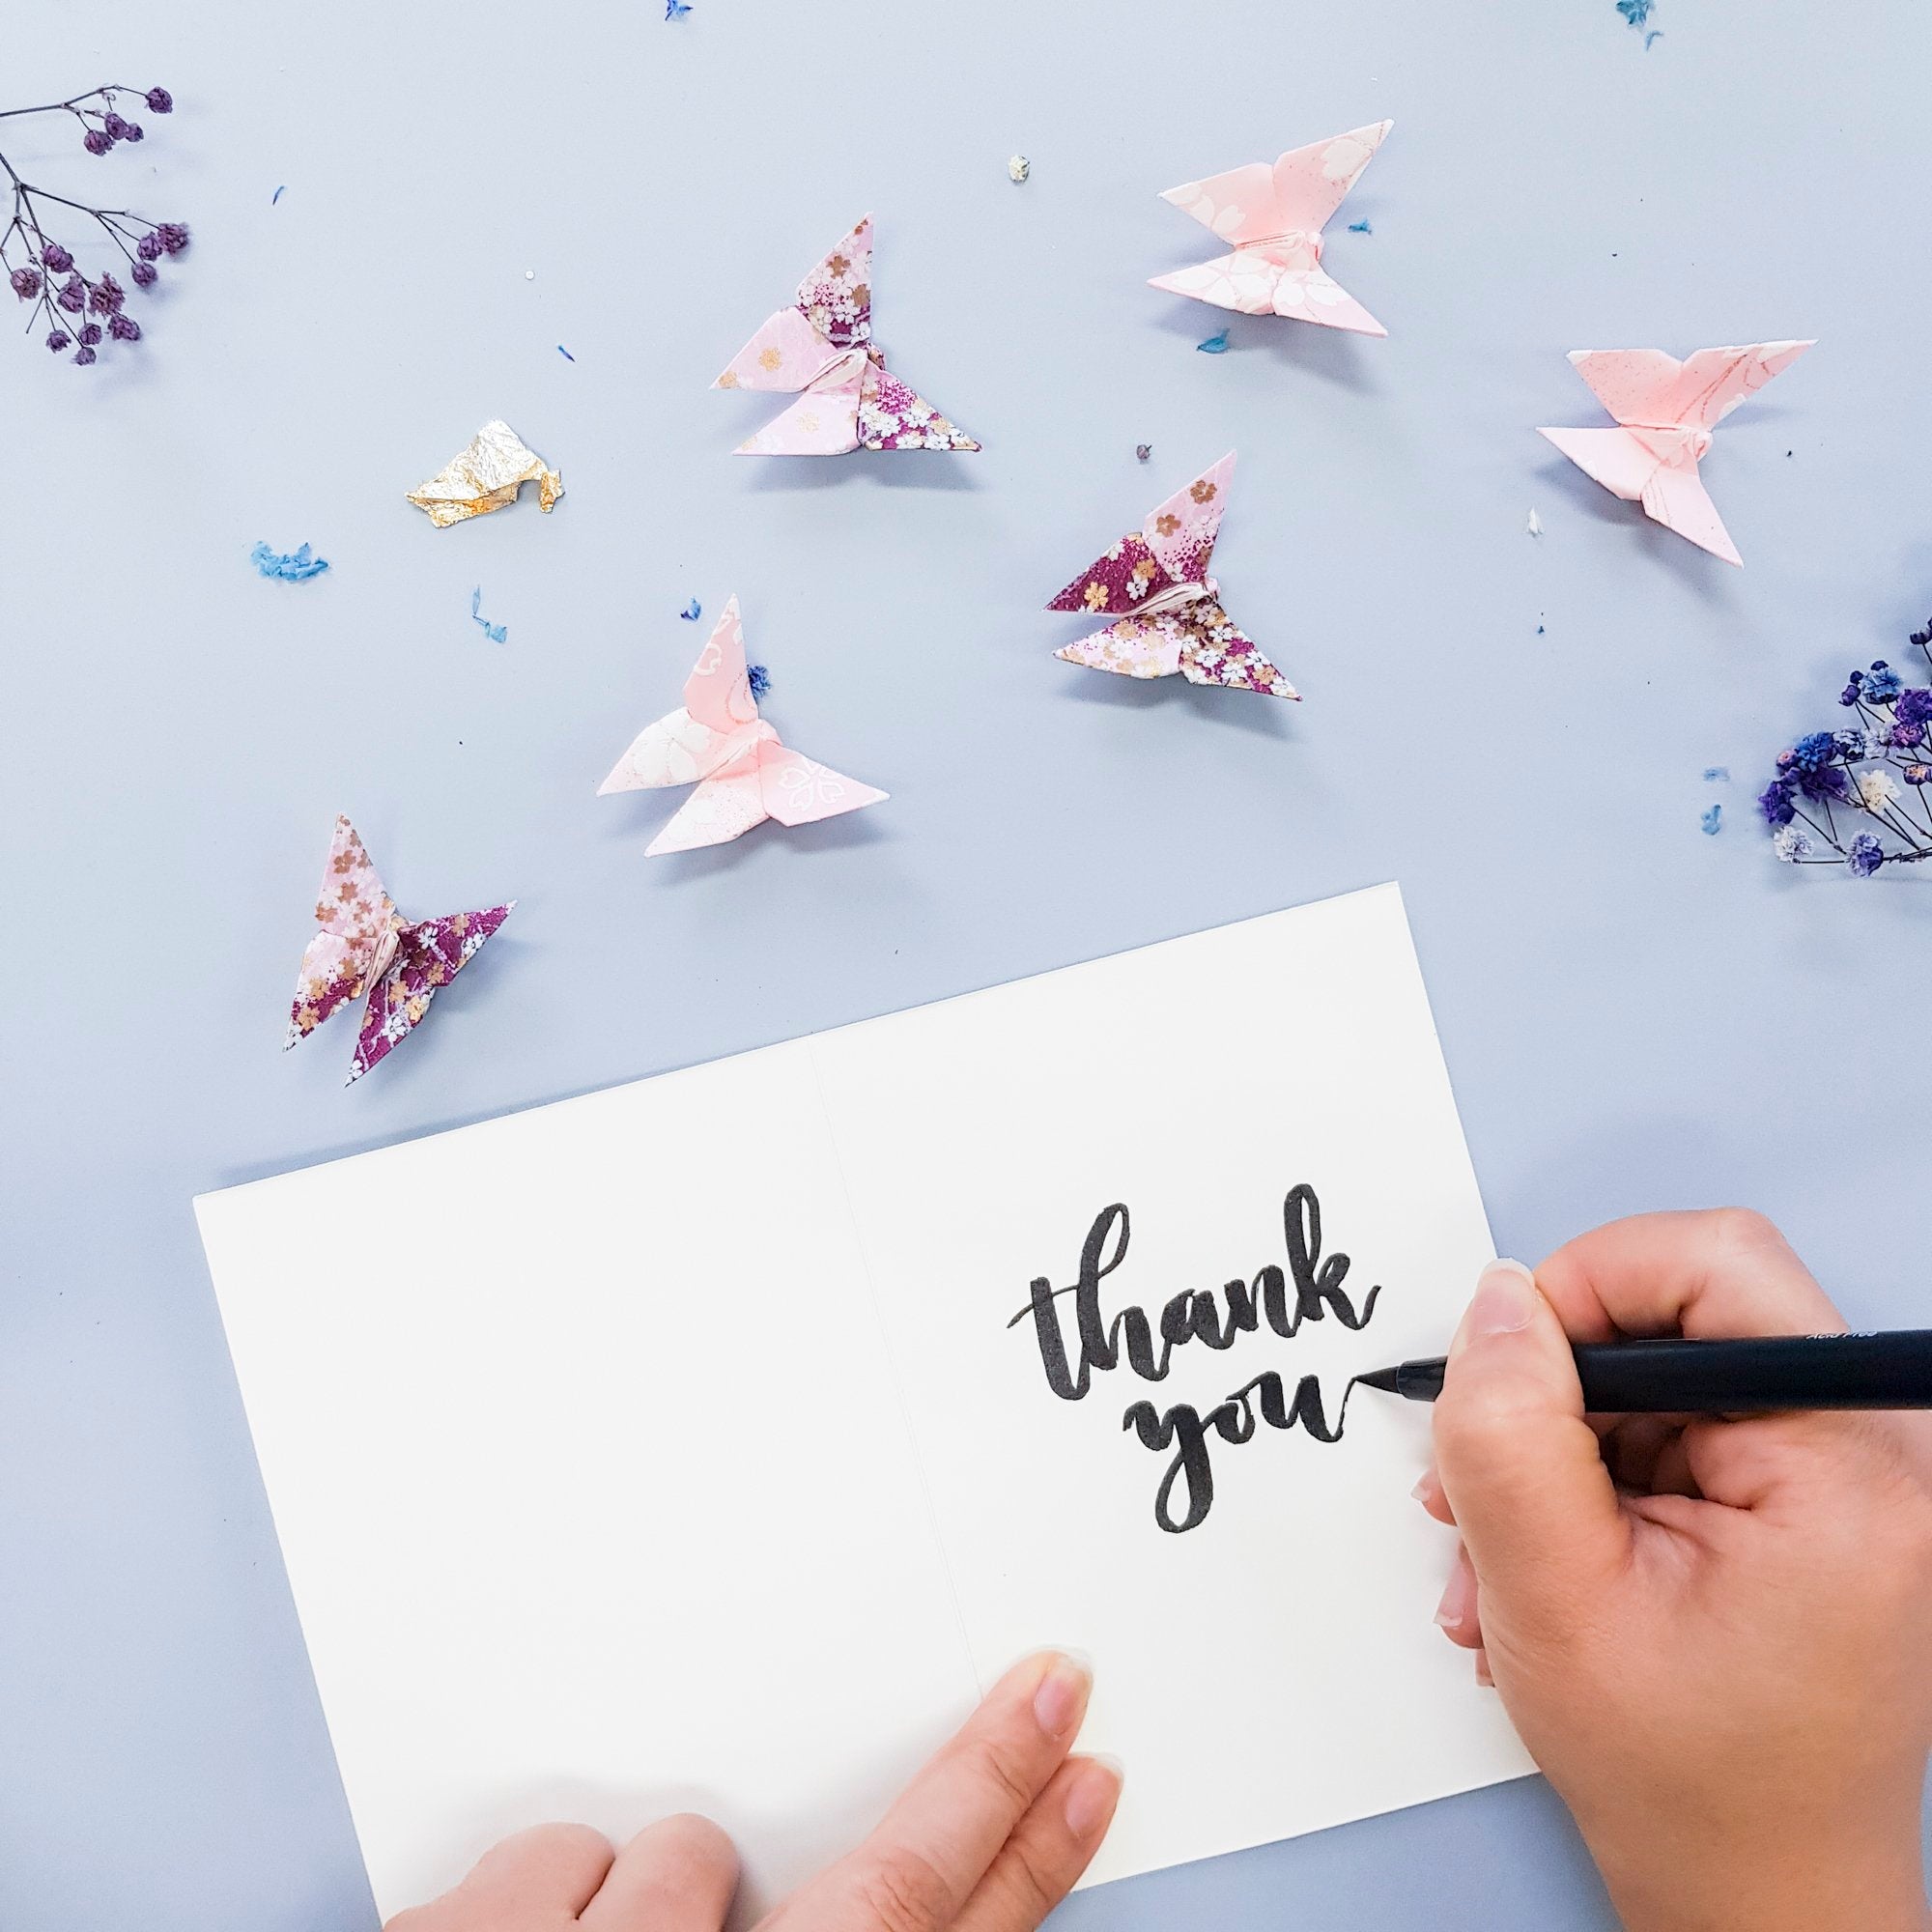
(1275, 216)
(1172, 617)
(367, 943)
(716, 739)
(823, 345)
(1666, 410)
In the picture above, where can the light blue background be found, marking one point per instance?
(1636, 1016)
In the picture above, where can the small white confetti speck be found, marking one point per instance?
(1018, 167)
(530, 274)
(1535, 525)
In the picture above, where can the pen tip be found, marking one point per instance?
(1379, 1378)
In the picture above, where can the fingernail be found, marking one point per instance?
(1062, 1696)
(1425, 1488)
(1483, 1676)
(1505, 1300)
(1459, 1598)
(1092, 1795)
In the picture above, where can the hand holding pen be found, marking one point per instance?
(1713, 1636)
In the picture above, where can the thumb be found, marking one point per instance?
(1520, 1465)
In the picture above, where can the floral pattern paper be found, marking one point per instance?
(365, 944)
(717, 741)
(1666, 410)
(823, 345)
(1274, 215)
(1170, 617)
(486, 477)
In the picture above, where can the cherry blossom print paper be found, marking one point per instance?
(364, 945)
(1172, 618)
(486, 477)
(1666, 410)
(823, 346)
(1275, 216)
(717, 740)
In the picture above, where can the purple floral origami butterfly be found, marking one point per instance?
(367, 943)
(1167, 610)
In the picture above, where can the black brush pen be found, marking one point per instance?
(1726, 1377)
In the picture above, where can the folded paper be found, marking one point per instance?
(365, 944)
(486, 477)
(823, 345)
(1172, 617)
(1666, 410)
(744, 775)
(1274, 217)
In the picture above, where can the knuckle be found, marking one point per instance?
(902, 1890)
(1007, 1790)
(1744, 1231)
(1032, 1886)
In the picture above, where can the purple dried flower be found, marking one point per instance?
(90, 334)
(97, 143)
(26, 283)
(84, 357)
(60, 339)
(174, 236)
(148, 247)
(1905, 736)
(72, 295)
(1775, 801)
(53, 256)
(1914, 706)
(1865, 857)
(130, 130)
(1917, 774)
(108, 296)
(160, 101)
(124, 328)
(145, 274)
(113, 126)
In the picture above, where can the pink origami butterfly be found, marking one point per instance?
(1666, 410)
(365, 942)
(1173, 620)
(1275, 216)
(744, 775)
(823, 345)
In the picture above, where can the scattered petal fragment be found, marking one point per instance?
(292, 567)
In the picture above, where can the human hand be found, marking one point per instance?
(1715, 1636)
(988, 1837)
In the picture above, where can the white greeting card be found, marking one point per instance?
(710, 1441)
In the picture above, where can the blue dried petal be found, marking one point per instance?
(496, 633)
(1360, 228)
(292, 567)
(675, 10)
(758, 678)
(1713, 818)
(1717, 775)
(691, 611)
(565, 352)
(1215, 344)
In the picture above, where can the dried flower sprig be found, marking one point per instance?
(81, 311)
(1837, 789)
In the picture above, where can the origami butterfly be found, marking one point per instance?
(367, 943)
(744, 775)
(1275, 216)
(1174, 621)
(1666, 410)
(823, 345)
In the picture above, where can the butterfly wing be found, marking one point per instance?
(797, 790)
(824, 421)
(1313, 294)
(1181, 532)
(894, 416)
(787, 353)
(707, 732)
(353, 914)
(1675, 497)
(1714, 381)
(1127, 576)
(1244, 281)
(723, 807)
(1132, 647)
(837, 296)
(428, 957)
(1613, 457)
(718, 692)
(1302, 191)
(1217, 651)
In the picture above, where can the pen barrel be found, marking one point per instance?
(1735, 1377)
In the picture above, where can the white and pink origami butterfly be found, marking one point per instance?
(367, 943)
(1172, 617)
(744, 775)
(1275, 216)
(823, 345)
(1666, 410)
